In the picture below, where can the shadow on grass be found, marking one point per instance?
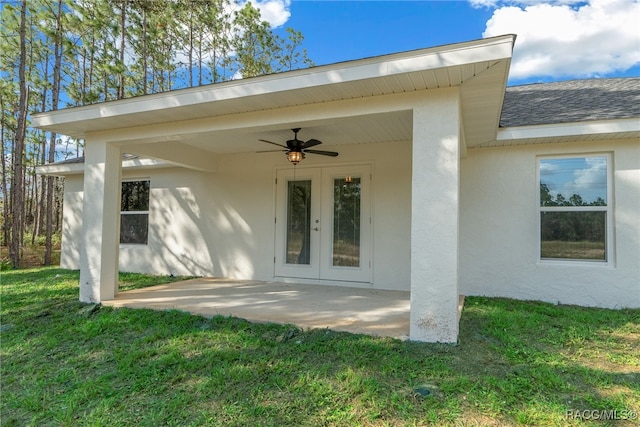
(56, 282)
(517, 362)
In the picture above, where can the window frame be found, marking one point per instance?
(608, 209)
(146, 212)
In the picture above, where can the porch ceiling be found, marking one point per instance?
(383, 127)
(479, 68)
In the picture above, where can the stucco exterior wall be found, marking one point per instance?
(178, 226)
(222, 224)
(246, 183)
(499, 253)
(71, 222)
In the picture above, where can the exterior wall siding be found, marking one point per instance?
(71, 222)
(499, 229)
(222, 224)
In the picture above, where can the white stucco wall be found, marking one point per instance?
(178, 226)
(435, 207)
(221, 224)
(499, 253)
(170, 202)
(71, 222)
(247, 185)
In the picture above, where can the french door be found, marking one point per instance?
(323, 223)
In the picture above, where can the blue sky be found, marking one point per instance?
(585, 176)
(336, 31)
(557, 40)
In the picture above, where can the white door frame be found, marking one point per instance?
(282, 268)
(321, 266)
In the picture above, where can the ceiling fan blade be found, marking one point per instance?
(271, 151)
(323, 153)
(273, 143)
(311, 143)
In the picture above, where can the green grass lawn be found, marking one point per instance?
(517, 363)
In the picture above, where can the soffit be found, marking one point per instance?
(564, 139)
(481, 104)
(479, 68)
(373, 128)
(597, 130)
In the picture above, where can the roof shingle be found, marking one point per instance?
(571, 101)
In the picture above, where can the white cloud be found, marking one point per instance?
(275, 12)
(568, 38)
(498, 3)
(586, 176)
(547, 168)
(593, 176)
(483, 3)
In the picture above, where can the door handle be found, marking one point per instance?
(315, 228)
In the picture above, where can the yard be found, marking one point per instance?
(517, 363)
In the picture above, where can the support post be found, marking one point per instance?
(434, 218)
(101, 222)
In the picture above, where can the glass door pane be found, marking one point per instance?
(323, 223)
(298, 246)
(346, 214)
(346, 222)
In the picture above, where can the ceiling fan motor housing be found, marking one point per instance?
(295, 148)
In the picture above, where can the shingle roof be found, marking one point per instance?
(571, 101)
(70, 161)
(558, 102)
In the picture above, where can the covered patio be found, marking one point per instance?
(217, 205)
(382, 313)
(357, 310)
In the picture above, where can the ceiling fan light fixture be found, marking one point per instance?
(295, 157)
(296, 149)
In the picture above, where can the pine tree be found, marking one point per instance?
(17, 156)
(57, 53)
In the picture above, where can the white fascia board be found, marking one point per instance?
(60, 169)
(178, 155)
(144, 164)
(569, 129)
(400, 63)
(78, 168)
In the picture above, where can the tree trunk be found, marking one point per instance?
(5, 186)
(190, 47)
(17, 182)
(123, 29)
(55, 97)
(144, 51)
(37, 229)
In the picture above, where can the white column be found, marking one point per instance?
(434, 219)
(101, 222)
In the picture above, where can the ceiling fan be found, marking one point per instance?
(296, 149)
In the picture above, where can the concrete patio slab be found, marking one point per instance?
(357, 310)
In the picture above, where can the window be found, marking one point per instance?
(134, 212)
(575, 208)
